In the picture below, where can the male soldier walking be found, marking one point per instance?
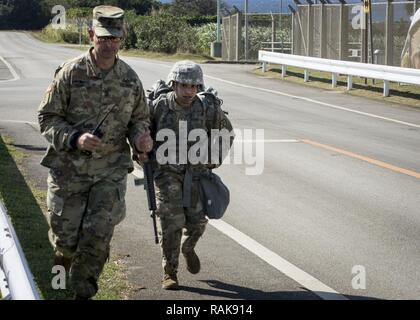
(88, 168)
(178, 219)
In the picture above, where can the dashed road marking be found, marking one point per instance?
(363, 158)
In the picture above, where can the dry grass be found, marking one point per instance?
(399, 94)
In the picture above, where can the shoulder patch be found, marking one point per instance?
(50, 88)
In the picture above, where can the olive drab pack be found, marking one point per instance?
(213, 192)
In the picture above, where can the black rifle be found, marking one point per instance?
(150, 189)
(151, 197)
(97, 132)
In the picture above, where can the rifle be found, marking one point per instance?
(97, 132)
(151, 197)
(150, 192)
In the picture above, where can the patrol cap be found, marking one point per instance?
(108, 21)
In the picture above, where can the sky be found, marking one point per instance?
(274, 5)
(256, 5)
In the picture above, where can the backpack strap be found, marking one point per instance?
(211, 105)
(159, 108)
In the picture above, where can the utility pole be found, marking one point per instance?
(371, 31)
(246, 30)
(218, 21)
(281, 26)
(365, 33)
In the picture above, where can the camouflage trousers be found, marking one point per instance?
(83, 211)
(179, 228)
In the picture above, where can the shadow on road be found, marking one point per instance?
(30, 147)
(231, 291)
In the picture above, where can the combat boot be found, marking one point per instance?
(60, 260)
(170, 282)
(193, 262)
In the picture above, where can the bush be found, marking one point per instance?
(161, 32)
(79, 12)
(73, 37)
(51, 34)
(69, 35)
(198, 21)
(165, 33)
(206, 35)
(257, 35)
(131, 20)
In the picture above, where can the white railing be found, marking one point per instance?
(16, 280)
(365, 70)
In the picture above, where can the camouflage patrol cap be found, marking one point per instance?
(186, 72)
(108, 21)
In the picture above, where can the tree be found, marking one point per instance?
(22, 14)
(35, 14)
(194, 7)
(140, 6)
(5, 10)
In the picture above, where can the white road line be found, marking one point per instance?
(315, 101)
(285, 267)
(12, 71)
(273, 259)
(267, 140)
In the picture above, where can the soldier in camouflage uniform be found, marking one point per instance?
(88, 173)
(181, 224)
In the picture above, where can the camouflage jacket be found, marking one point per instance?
(205, 113)
(77, 100)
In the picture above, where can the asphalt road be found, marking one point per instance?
(333, 213)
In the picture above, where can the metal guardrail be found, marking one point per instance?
(16, 280)
(365, 70)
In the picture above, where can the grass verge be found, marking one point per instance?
(132, 52)
(26, 208)
(39, 35)
(400, 94)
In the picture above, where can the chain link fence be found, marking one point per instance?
(332, 31)
(336, 31)
(269, 31)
